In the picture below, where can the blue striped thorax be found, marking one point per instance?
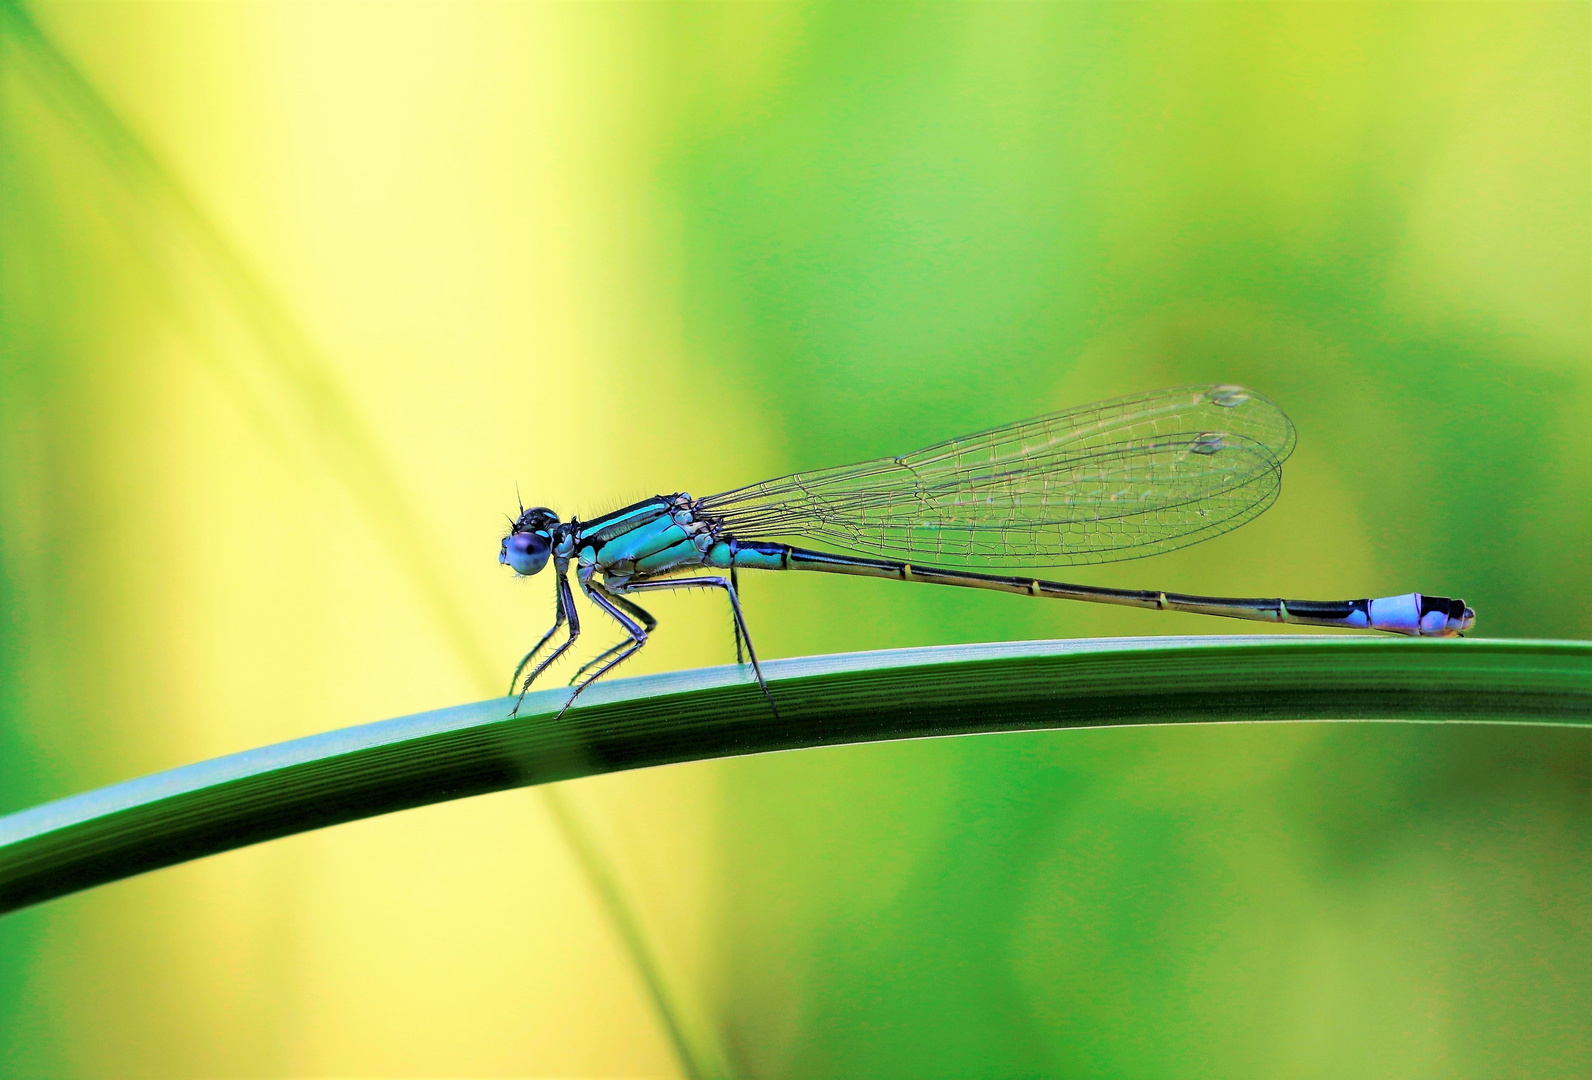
(652, 537)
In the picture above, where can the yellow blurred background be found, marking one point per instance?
(294, 296)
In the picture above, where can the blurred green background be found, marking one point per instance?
(293, 295)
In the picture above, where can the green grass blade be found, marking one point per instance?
(358, 772)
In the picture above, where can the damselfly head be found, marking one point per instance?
(526, 548)
(536, 519)
(526, 552)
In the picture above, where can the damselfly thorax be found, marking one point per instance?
(1115, 480)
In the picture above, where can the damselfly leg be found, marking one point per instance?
(636, 611)
(625, 649)
(735, 621)
(735, 611)
(564, 611)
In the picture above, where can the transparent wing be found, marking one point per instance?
(1115, 480)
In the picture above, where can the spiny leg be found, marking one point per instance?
(735, 610)
(566, 602)
(599, 658)
(627, 649)
(638, 637)
(735, 623)
(558, 621)
(636, 611)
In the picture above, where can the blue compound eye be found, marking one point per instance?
(526, 552)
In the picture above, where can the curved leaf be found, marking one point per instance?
(358, 772)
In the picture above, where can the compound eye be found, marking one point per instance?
(526, 552)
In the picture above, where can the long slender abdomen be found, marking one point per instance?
(1412, 613)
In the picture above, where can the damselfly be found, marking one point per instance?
(1115, 480)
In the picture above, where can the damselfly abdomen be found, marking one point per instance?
(1115, 480)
